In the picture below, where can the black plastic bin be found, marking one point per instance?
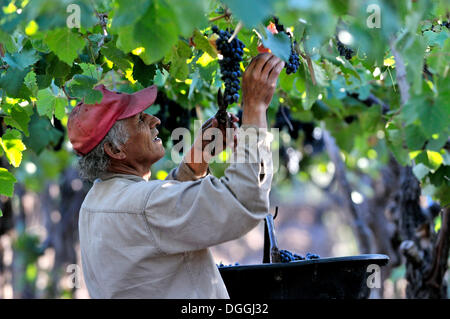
(324, 278)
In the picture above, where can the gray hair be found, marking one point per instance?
(96, 161)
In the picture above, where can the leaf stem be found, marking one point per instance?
(226, 15)
(236, 31)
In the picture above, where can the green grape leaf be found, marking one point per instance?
(12, 82)
(395, 143)
(446, 158)
(48, 104)
(287, 82)
(311, 94)
(12, 145)
(413, 53)
(179, 67)
(195, 10)
(251, 12)
(437, 141)
(442, 194)
(7, 41)
(128, 12)
(202, 43)
(436, 38)
(125, 40)
(434, 117)
(157, 31)
(279, 44)
(195, 84)
(441, 177)
(142, 72)
(116, 56)
(7, 181)
(31, 83)
(42, 133)
(21, 60)
(18, 118)
(438, 60)
(56, 68)
(161, 77)
(431, 159)
(320, 74)
(415, 138)
(81, 87)
(371, 118)
(90, 70)
(65, 44)
(420, 171)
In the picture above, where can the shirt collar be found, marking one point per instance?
(109, 175)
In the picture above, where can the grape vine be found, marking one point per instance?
(294, 60)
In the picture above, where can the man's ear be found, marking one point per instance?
(114, 152)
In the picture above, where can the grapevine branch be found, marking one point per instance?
(402, 82)
(310, 67)
(423, 282)
(364, 233)
(103, 17)
(67, 94)
(441, 252)
(226, 15)
(286, 118)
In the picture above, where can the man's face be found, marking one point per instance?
(143, 147)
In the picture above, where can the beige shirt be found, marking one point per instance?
(150, 239)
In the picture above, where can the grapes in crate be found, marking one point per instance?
(287, 256)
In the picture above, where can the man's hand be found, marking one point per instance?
(228, 138)
(199, 155)
(258, 85)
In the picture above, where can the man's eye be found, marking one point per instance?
(141, 118)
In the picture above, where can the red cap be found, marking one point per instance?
(88, 124)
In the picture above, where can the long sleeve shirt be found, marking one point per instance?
(150, 239)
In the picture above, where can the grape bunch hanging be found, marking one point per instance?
(230, 64)
(344, 51)
(294, 60)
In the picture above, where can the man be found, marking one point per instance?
(150, 239)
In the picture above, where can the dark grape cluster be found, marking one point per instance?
(294, 60)
(344, 51)
(311, 256)
(230, 64)
(287, 256)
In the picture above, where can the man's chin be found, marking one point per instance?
(159, 156)
(163, 152)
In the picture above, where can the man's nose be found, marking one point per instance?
(153, 121)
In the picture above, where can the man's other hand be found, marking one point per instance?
(258, 86)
